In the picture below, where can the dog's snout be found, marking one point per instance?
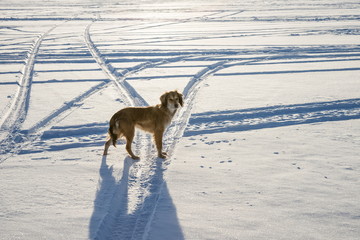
(176, 105)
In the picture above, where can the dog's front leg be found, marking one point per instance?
(158, 135)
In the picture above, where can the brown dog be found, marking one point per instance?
(153, 119)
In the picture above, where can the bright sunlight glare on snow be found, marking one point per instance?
(265, 146)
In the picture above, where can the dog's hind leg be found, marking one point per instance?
(107, 145)
(113, 136)
(129, 135)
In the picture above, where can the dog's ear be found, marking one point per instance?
(181, 100)
(163, 99)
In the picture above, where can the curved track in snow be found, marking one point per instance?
(14, 117)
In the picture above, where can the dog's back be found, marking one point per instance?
(146, 118)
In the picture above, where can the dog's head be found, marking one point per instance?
(172, 100)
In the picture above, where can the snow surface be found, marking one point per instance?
(265, 147)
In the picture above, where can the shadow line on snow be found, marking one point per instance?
(272, 117)
(111, 217)
(58, 81)
(60, 138)
(288, 71)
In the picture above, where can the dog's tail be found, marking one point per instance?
(112, 135)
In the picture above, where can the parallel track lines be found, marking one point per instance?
(18, 109)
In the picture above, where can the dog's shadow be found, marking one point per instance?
(111, 197)
(112, 201)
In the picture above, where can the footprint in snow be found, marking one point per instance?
(229, 161)
(40, 158)
(71, 159)
(204, 167)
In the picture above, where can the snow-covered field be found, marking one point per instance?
(265, 147)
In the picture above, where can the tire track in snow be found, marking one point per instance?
(24, 138)
(275, 116)
(15, 116)
(178, 125)
(128, 93)
(16, 112)
(130, 96)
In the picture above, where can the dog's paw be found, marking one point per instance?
(162, 155)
